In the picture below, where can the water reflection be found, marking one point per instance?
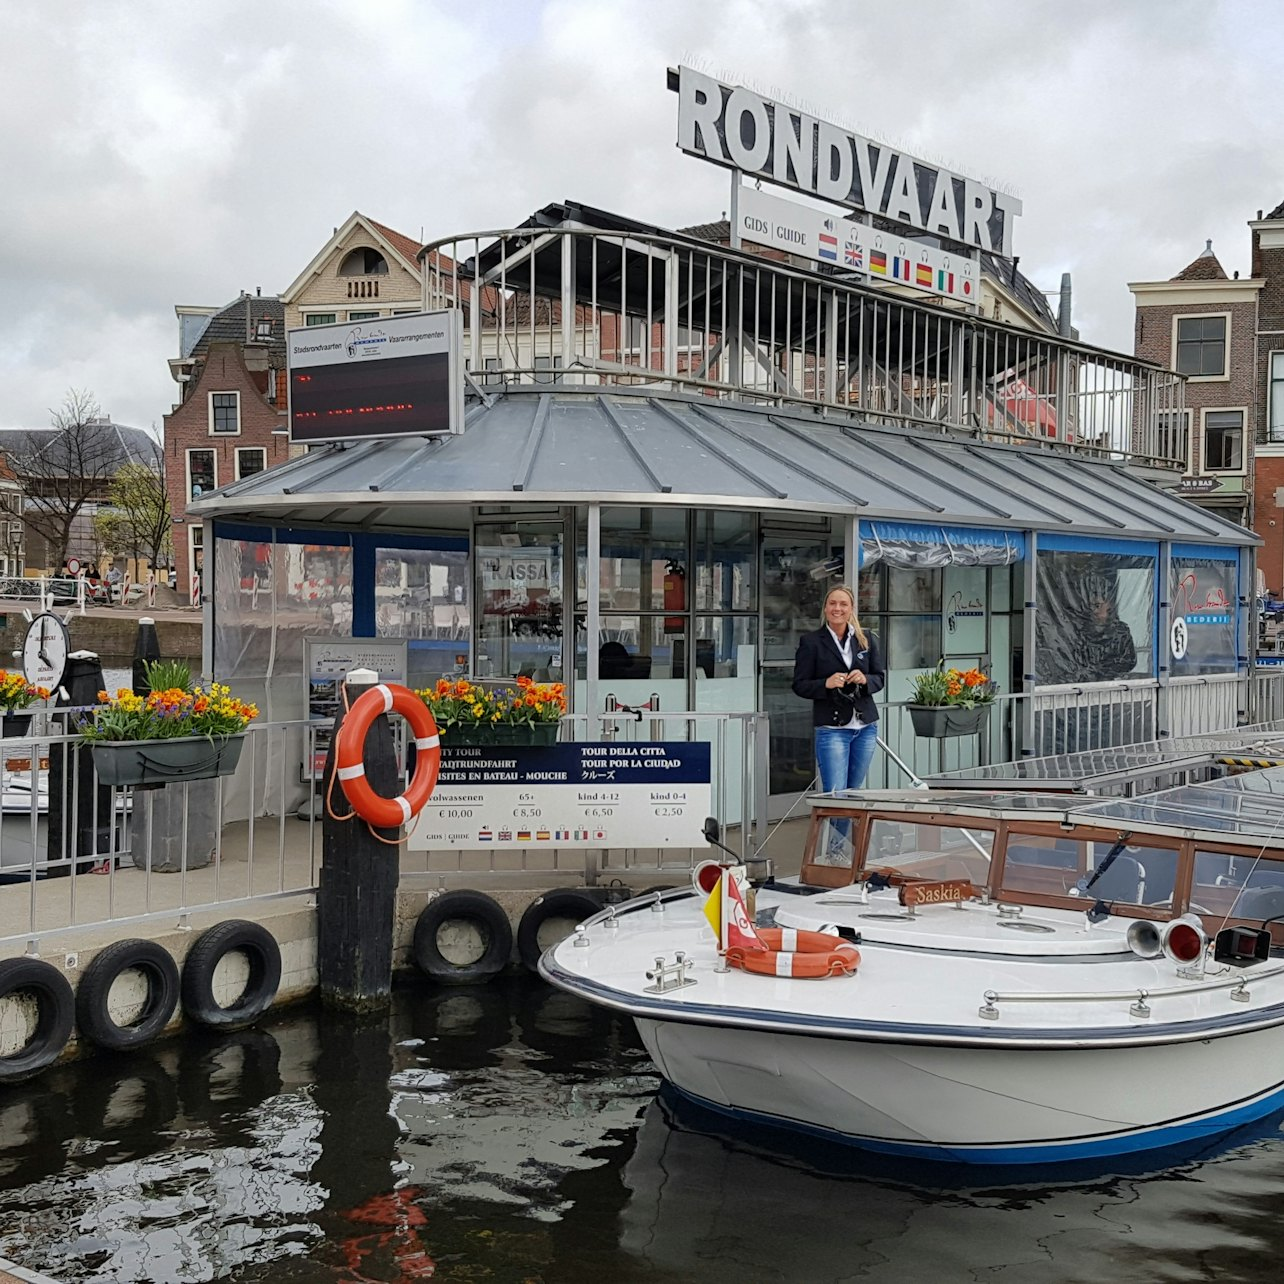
(510, 1133)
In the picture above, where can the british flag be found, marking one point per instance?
(853, 254)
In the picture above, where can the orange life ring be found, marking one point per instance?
(810, 955)
(349, 750)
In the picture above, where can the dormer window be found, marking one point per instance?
(364, 262)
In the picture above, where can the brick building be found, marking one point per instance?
(231, 420)
(1204, 325)
(1268, 471)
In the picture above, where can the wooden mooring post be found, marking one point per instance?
(360, 867)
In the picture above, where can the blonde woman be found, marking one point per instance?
(839, 669)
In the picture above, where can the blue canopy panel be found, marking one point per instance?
(909, 544)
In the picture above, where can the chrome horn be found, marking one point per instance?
(1145, 939)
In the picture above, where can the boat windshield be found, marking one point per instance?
(1133, 873)
(930, 850)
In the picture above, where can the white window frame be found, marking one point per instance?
(195, 544)
(208, 450)
(245, 450)
(1272, 405)
(320, 318)
(224, 392)
(365, 314)
(1242, 470)
(1224, 377)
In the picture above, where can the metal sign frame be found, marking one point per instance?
(398, 376)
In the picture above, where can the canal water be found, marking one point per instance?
(509, 1133)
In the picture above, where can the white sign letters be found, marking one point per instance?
(735, 127)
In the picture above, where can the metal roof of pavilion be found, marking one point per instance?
(547, 446)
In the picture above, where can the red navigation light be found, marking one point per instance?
(1184, 942)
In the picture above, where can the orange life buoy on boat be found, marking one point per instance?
(809, 955)
(349, 750)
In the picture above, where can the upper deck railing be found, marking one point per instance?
(586, 308)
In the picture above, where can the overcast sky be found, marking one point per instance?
(154, 153)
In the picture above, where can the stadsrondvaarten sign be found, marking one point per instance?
(738, 128)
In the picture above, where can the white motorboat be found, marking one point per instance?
(1042, 977)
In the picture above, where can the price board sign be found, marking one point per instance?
(568, 795)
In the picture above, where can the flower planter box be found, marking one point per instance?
(499, 733)
(481, 734)
(14, 724)
(941, 720)
(161, 762)
(538, 733)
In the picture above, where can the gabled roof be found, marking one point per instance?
(239, 323)
(407, 247)
(1204, 268)
(1277, 212)
(404, 249)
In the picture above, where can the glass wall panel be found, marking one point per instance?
(242, 608)
(645, 559)
(423, 595)
(519, 599)
(793, 758)
(1202, 592)
(870, 590)
(965, 593)
(312, 587)
(726, 561)
(914, 589)
(1096, 616)
(792, 597)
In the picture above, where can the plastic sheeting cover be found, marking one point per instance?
(908, 545)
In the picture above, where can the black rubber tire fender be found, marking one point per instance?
(474, 907)
(197, 987)
(562, 902)
(160, 972)
(55, 1012)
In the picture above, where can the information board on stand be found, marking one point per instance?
(327, 662)
(568, 795)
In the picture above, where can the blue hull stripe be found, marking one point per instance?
(1160, 1137)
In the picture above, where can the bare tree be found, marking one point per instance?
(65, 467)
(138, 520)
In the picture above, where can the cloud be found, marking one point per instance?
(157, 155)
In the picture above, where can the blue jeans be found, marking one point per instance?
(843, 756)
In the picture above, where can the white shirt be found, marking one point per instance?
(844, 646)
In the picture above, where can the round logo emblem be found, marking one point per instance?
(1179, 637)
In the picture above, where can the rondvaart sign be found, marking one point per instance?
(738, 128)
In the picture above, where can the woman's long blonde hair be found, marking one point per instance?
(855, 623)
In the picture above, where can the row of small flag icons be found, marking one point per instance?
(902, 269)
(488, 835)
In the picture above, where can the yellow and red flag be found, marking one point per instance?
(725, 909)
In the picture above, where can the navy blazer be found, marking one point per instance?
(818, 658)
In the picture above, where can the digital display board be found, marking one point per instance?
(388, 377)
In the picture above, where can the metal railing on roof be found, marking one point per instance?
(586, 308)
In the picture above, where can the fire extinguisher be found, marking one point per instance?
(675, 596)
